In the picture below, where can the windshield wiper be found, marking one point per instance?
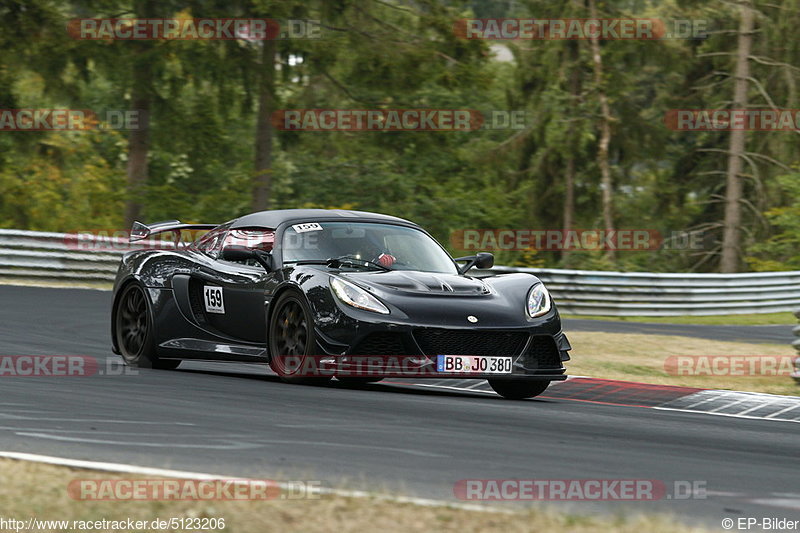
(348, 260)
(345, 260)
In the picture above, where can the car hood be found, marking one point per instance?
(420, 282)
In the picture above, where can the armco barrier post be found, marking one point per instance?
(796, 345)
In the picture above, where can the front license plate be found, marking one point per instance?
(473, 364)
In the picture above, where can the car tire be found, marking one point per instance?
(518, 390)
(358, 380)
(291, 333)
(134, 332)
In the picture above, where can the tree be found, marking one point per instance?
(262, 186)
(141, 98)
(606, 183)
(731, 238)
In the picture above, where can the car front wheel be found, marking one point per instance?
(356, 380)
(292, 340)
(518, 390)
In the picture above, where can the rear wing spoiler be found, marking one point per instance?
(141, 231)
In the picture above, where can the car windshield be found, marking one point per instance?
(382, 246)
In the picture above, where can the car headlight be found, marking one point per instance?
(356, 296)
(539, 302)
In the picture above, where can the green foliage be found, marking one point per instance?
(388, 55)
(781, 251)
(64, 185)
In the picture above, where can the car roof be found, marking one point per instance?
(272, 219)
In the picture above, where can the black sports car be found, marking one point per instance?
(320, 293)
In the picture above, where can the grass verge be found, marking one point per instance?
(637, 357)
(40, 491)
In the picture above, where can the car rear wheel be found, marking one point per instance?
(134, 330)
(292, 340)
(518, 390)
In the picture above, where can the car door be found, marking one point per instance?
(232, 294)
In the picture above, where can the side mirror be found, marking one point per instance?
(484, 260)
(479, 260)
(243, 253)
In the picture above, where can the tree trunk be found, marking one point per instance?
(605, 135)
(138, 148)
(572, 145)
(731, 235)
(262, 183)
(569, 195)
(139, 139)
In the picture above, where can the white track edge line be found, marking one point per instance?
(462, 389)
(731, 415)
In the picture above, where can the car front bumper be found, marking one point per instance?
(538, 350)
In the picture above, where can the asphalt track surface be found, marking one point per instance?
(238, 420)
(773, 334)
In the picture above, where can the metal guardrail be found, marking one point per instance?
(59, 256)
(71, 257)
(589, 292)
